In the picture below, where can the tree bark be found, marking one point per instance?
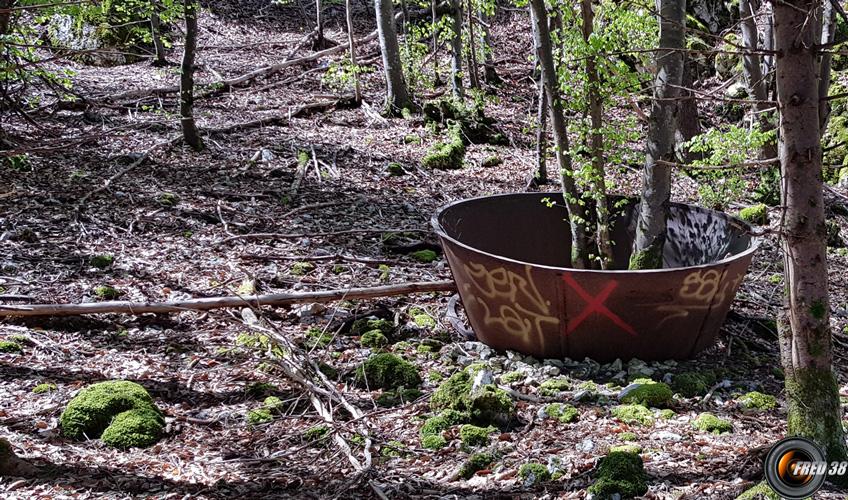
(437, 81)
(662, 125)
(828, 34)
(190, 132)
(156, 33)
(596, 140)
(752, 68)
(490, 74)
(580, 237)
(319, 26)
(805, 338)
(397, 95)
(541, 176)
(473, 74)
(357, 92)
(456, 49)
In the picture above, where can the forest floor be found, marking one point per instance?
(167, 224)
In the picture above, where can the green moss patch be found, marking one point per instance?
(393, 449)
(489, 405)
(649, 393)
(121, 404)
(708, 422)
(447, 155)
(43, 388)
(301, 268)
(454, 393)
(101, 261)
(421, 318)
(10, 347)
(316, 435)
(424, 256)
(755, 214)
(534, 473)
(633, 414)
(761, 491)
(395, 169)
(491, 161)
(512, 377)
(758, 401)
(364, 325)
(628, 436)
(562, 412)
(627, 448)
(443, 421)
(107, 292)
(554, 386)
(691, 384)
(387, 371)
(473, 436)
(475, 463)
(400, 396)
(373, 339)
(433, 442)
(619, 473)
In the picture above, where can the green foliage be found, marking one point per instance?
(387, 371)
(341, 76)
(424, 256)
(363, 325)
(562, 412)
(554, 386)
(473, 436)
(433, 442)
(475, 463)
(122, 412)
(619, 473)
(373, 339)
(758, 401)
(691, 384)
(633, 414)
(655, 394)
(316, 434)
(755, 214)
(534, 473)
(43, 388)
(767, 189)
(708, 422)
(259, 416)
(9, 347)
(760, 491)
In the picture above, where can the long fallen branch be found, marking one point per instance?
(208, 303)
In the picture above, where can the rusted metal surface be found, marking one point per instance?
(508, 255)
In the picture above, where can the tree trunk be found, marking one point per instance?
(437, 81)
(596, 140)
(397, 95)
(319, 26)
(662, 124)
(580, 237)
(541, 176)
(357, 92)
(156, 33)
(753, 69)
(490, 74)
(805, 339)
(828, 34)
(473, 75)
(190, 133)
(456, 49)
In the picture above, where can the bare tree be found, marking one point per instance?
(190, 133)
(456, 49)
(473, 75)
(540, 176)
(752, 67)
(580, 237)
(490, 74)
(357, 92)
(319, 26)
(156, 33)
(397, 95)
(806, 347)
(662, 126)
(828, 35)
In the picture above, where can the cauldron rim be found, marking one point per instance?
(753, 244)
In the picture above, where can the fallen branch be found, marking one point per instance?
(292, 236)
(208, 303)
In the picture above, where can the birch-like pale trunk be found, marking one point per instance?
(662, 125)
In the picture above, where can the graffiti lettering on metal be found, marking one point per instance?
(703, 289)
(595, 305)
(520, 309)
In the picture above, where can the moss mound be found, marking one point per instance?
(761, 491)
(633, 414)
(534, 473)
(554, 386)
(9, 347)
(755, 214)
(433, 442)
(562, 412)
(476, 463)
(373, 339)
(387, 371)
(691, 384)
(489, 405)
(758, 401)
(400, 396)
(365, 325)
(447, 155)
(101, 261)
(43, 388)
(454, 393)
(120, 412)
(473, 436)
(107, 292)
(649, 393)
(441, 422)
(619, 473)
(708, 422)
(424, 256)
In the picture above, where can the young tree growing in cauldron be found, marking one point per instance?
(804, 326)
(662, 127)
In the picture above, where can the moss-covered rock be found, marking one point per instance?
(10, 347)
(259, 416)
(512, 377)
(667, 414)
(424, 256)
(648, 393)
(761, 491)
(364, 325)
(412, 139)
(619, 473)
(373, 339)
(107, 292)
(627, 448)
(316, 435)
(554, 386)
(101, 261)
(43, 388)
(473, 436)
(534, 473)
(475, 463)
(691, 384)
(628, 436)
(399, 396)
(168, 199)
(421, 318)
(301, 268)
(433, 442)
(755, 214)
(395, 169)
(758, 401)
(491, 405)
(123, 404)
(393, 449)
(633, 414)
(443, 421)
(447, 155)
(562, 412)
(708, 422)
(491, 161)
(387, 371)
(454, 393)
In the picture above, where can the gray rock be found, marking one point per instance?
(638, 368)
(620, 376)
(583, 395)
(616, 365)
(586, 445)
(530, 360)
(666, 436)
(549, 371)
(309, 310)
(483, 377)
(627, 390)
(553, 362)
(464, 360)
(513, 356)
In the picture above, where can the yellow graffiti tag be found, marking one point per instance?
(703, 289)
(519, 308)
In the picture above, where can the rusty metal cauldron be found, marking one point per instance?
(508, 255)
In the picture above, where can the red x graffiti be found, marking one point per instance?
(595, 305)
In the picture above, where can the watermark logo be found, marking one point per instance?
(795, 468)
